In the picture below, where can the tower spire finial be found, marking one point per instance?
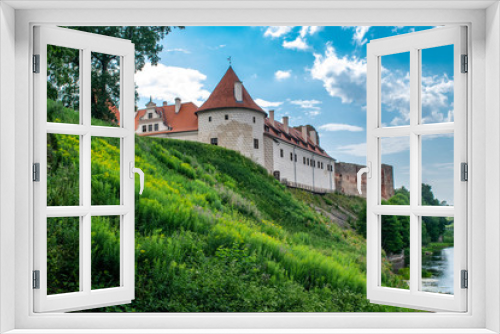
(150, 98)
(229, 60)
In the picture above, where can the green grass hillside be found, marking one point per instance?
(214, 233)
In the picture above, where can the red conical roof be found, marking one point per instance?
(223, 95)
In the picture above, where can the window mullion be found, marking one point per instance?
(86, 168)
(414, 168)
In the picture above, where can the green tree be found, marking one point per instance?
(63, 67)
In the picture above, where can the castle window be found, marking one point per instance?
(281, 153)
(295, 157)
(254, 119)
(143, 128)
(156, 127)
(214, 141)
(150, 115)
(256, 143)
(150, 127)
(322, 167)
(226, 117)
(291, 156)
(304, 160)
(209, 118)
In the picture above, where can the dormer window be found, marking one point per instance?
(238, 91)
(150, 115)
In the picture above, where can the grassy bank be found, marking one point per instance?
(214, 233)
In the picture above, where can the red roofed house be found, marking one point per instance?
(231, 118)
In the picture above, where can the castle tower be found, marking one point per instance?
(231, 118)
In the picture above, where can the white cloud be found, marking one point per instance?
(340, 127)
(310, 106)
(266, 104)
(178, 50)
(308, 30)
(299, 44)
(359, 34)
(396, 96)
(277, 31)
(344, 77)
(168, 82)
(393, 145)
(306, 104)
(358, 150)
(282, 75)
(390, 145)
(436, 91)
(217, 47)
(312, 113)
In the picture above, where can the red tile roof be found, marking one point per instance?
(223, 95)
(293, 137)
(185, 120)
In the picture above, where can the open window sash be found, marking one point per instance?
(414, 43)
(84, 297)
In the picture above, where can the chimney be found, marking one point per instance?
(271, 117)
(313, 137)
(165, 103)
(238, 91)
(177, 104)
(285, 123)
(304, 132)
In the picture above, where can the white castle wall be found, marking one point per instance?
(188, 135)
(236, 133)
(283, 164)
(297, 171)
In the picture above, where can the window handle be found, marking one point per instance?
(141, 175)
(368, 171)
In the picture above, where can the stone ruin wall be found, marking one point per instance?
(346, 180)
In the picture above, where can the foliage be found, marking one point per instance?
(215, 233)
(396, 229)
(63, 66)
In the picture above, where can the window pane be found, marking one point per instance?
(437, 169)
(395, 89)
(105, 171)
(63, 166)
(63, 85)
(105, 94)
(437, 95)
(63, 255)
(437, 254)
(395, 244)
(395, 170)
(105, 252)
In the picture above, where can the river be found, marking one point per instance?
(440, 264)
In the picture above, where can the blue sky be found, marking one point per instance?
(317, 76)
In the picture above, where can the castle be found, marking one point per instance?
(231, 118)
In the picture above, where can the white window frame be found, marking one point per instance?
(86, 297)
(413, 44)
(483, 20)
